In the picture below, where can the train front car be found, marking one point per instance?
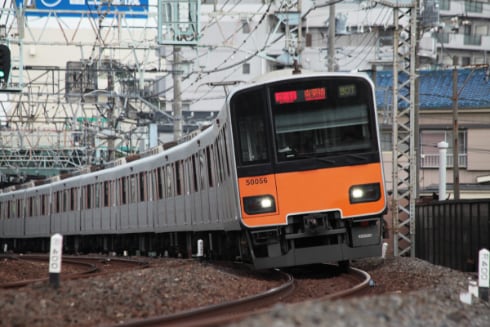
(310, 176)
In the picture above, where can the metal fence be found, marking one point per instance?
(450, 233)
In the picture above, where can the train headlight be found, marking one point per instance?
(364, 193)
(259, 204)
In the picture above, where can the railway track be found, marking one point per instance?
(291, 286)
(217, 315)
(77, 267)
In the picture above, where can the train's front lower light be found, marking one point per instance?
(259, 204)
(364, 193)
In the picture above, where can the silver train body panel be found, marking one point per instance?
(188, 187)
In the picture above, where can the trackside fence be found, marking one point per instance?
(450, 233)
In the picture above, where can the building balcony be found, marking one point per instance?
(432, 160)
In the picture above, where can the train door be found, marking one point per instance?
(56, 214)
(142, 202)
(70, 215)
(15, 216)
(39, 223)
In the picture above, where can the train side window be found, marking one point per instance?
(133, 188)
(43, 205)
(124, 192)
(10, 210)
(159, 182)
(18, 208)
(88, 196)
(224, 150)
(107, 193)
(56, 200)
(97, 195)
(209, 162)
(142, 184)
(179, 182)
(202, 168)
(35, 206)
(169, 184)
(66, 201)
(219, 165)
(195, 173)
(73, 202)
(189, 184)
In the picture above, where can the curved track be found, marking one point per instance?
(220, 314)
(86, 266)
(215, 315)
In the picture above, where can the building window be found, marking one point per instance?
(246, 68)
(444, 4)
(245, 26)
(473, 6)
(429, 152)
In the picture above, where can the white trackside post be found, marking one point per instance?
(200, 249)
(483, 273)
(55, 253)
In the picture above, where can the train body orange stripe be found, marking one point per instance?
(312, 191)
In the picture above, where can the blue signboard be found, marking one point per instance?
(90, 8)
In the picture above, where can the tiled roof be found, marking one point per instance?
(436, 88)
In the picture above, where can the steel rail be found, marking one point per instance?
(222, 313)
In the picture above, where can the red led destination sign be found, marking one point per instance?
(285, 97)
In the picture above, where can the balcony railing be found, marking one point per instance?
(432, 160)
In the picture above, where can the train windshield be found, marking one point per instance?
(318, 118)
(303, 118)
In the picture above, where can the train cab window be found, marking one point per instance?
(314, 119)
(248, 111)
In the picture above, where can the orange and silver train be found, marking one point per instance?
(289, 173)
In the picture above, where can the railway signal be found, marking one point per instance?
(4, 62)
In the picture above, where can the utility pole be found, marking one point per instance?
(455, 130)
(177, 104)
(331, 38)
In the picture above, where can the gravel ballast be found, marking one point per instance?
(406, 292)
